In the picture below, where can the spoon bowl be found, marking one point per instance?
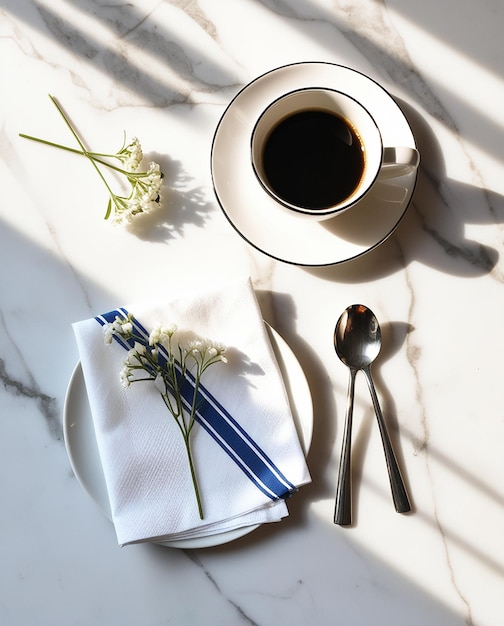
(357, 341)
(357, 337)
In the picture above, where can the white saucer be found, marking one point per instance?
(255, 214)
(83, 453)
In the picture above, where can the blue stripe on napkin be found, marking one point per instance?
(219, 424)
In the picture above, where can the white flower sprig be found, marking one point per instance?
(144, 186)
(166, 360)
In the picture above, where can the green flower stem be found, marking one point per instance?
(90, 155)
(193, 406)
(83, 151)
(186, 434)
(193, 474)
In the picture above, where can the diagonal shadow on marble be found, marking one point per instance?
(34, 368)
(185, 67)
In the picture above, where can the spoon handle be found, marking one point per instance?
(399, 493)
(343, 507)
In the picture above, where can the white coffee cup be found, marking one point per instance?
(318, 152)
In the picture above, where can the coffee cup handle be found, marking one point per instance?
(399, 161)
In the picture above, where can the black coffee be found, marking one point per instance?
(313, 159)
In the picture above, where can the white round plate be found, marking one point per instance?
(256, 216)
(83, 453)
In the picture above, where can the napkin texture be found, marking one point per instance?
(141, 448)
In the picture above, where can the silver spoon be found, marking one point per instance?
(357, 340)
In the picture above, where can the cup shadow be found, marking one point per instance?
(432, 231)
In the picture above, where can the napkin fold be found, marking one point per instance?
(245, 446)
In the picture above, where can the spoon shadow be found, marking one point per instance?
(394, 335)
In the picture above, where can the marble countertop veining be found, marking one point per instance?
(165, 72)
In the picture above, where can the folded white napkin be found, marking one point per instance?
(142, 450)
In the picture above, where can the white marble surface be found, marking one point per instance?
(165, 71)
